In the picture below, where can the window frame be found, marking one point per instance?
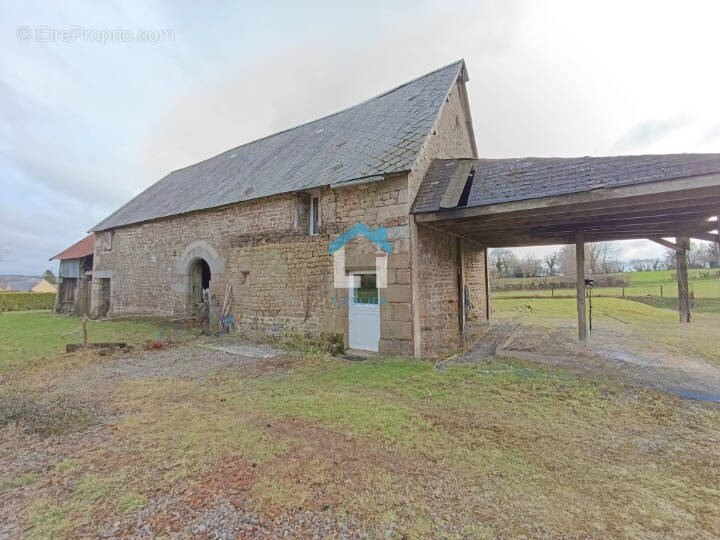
(314, 221)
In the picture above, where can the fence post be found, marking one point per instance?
(623, 291)
(661, 291)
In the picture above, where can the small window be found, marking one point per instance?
(314, 215)
(367, 291)
(107, 241)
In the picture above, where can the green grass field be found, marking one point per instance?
(503, 448)
(641, 284)
(642, 323)
(27, 335)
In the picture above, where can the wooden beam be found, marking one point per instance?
(666, 190)
(580, 276)
(666, 243)
(639, 214)
(683, 243)
(518, 240)
(708, 237)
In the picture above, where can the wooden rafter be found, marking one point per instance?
(707, 236)
(667, 243)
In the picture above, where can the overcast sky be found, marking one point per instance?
(86, 125)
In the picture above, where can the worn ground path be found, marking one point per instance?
(622, 350)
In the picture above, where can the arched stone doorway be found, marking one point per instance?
(199, 273)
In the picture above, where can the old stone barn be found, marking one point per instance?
(261, 217)
(373, 223)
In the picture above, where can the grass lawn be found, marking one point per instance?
(644, 322)
(497, 449)
(382, 446)
(27, 335)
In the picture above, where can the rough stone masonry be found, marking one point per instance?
(281, 276)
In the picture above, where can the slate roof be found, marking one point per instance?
(379, 136)
(83, 248)
(506, 180)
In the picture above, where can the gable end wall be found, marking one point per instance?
(436, 263)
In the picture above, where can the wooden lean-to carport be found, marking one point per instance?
(543, 201)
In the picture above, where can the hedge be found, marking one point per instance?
(556, 282)
(23, 301)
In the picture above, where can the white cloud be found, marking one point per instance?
(85, 126)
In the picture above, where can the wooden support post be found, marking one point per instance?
(84, 329)
(488, 306)
(580, 276)
(683, 243)
(461, 290)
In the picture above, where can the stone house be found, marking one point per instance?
(258, 220)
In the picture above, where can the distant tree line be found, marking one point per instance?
(600, 258)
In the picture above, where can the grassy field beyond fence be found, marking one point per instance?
(704, 283)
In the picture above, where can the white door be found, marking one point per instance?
(364, 312)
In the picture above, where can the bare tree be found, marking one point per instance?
(551, 262)
(503, 261)
(593, 258)
(694, 257)
(647, 265)
(709, 255)
(530, 266)
(600, 258)
(567, 264)
(641, 265)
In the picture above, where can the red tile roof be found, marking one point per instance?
(82, 249)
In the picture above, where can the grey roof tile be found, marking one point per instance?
(364, 140)
(506, 180)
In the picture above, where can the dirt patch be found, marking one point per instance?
(192, 442)
(610, 352)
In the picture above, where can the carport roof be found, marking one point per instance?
(540, 201)
(515, 179)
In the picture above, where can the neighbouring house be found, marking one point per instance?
(253, 225)
(15, 283)
(75, 278)
(44, 286)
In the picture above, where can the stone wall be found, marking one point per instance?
(474, 274)
(435, 319)
(439, 290)
(148, 263)
(281, 277)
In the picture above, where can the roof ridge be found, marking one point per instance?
(385, 132)
(396, 88)
(592, 157)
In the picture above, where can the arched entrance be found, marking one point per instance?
(199, 280)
